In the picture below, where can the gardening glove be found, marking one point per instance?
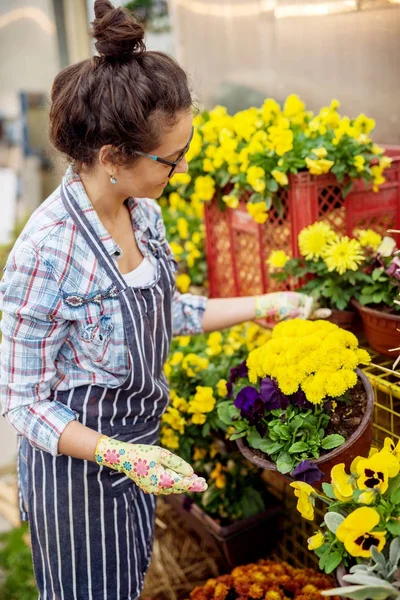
(280, 306)
(153, 469)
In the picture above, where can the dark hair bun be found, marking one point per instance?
(118, 36)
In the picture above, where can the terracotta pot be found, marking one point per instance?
(346, 319)
(245, 541)
(357, 444)
(381, 329)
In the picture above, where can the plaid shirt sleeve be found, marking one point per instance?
(33, 333)
(187, 314)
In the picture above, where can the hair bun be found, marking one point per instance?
(117, 34)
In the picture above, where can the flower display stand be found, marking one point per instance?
(238, 543)
(237, 247)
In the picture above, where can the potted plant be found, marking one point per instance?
(236, 512)
(272, 580)
(376, 298)
(329, 268)
(253, 153)
(299, 404)
(362, 520)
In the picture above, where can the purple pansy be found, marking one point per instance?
(299, 399)
(250, 404)
(308, 472)
(272, 395)
(238, 372)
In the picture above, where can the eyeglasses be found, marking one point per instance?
(172, 164)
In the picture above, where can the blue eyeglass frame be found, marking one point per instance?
(163, 161)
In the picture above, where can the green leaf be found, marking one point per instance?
(224, 410)
(328, 490)
(254, 438)
(360, 592)
(298, 447)
(237, 435)
(334, 559)
(332, 441)
(206, 429)
(270, 447)
(393, 527)
(272, 185)
(333, 520)
(347, 189)
(284, 462)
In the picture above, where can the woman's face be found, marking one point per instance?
(147, 178)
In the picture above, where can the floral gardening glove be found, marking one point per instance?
(279, 306)
(153, 469)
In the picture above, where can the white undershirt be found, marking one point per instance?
(143, 275)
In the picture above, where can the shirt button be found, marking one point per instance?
(117, 253)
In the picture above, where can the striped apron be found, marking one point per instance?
(92, 527)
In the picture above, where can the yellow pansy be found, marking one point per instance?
(218, 476)
(221, 388)
(391, 447)
(183, 228)
(204, 187)
(320, 166)
(199, 418)
(342, 483)
(280, 177)
(374, 472)
(176, 249)
(169, 438)
(174, 419)
(176, 359)
(359, 163)
(316, 541)
(180, 179)
(356, 532)
(320, 152)
(305, 504)
(183, 340)
(203, 401)
(256, 178)
(199, 453)
(258, 211)
(183, 282)
(367, 497)
(231, 200)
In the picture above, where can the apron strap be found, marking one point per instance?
(91, 237)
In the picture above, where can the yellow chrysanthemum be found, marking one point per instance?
(343, 255)
(313, 240)
(277, 259)
(368, 237)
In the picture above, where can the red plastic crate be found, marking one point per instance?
(237, 247)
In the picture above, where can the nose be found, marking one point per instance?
(182, 166)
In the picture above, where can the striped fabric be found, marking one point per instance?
(92, 527)
(62, 324)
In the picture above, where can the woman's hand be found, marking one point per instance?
(153, 469)
(280, 306)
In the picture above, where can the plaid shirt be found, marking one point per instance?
(50, 346)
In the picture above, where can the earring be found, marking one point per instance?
(113, 179)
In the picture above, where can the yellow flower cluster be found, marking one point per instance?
(340, 253)
(253, 151)
(316, 356)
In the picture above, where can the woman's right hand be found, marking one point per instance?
(153, 469)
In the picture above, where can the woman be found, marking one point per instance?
(89, 306)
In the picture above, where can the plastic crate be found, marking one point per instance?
(237, 247)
